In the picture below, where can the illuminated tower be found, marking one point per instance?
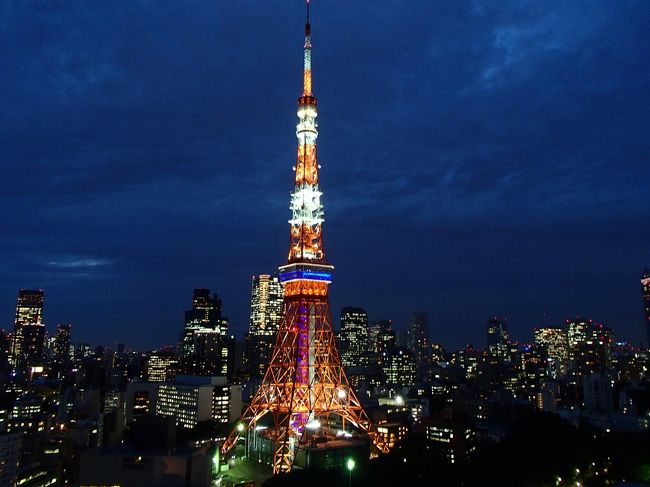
(305, 382)
(645, 289)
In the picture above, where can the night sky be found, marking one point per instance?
(478, 158)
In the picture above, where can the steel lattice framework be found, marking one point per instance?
(305, 382)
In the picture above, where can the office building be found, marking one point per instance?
(161, 366)
(454, 439)
(497, 337)
(10, 446)
(380, 332)
(577, 330)
(126, 466)
(265, 314)
(598, 391)
(266, 305)
(554, 341)
(141, 399)
(29, 330)
(204, 341)
(399, 367)
(392, 433)
(354, 337)
(194, 399)
(61, 356)
(417, 339)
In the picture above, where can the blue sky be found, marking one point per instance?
(478, 158)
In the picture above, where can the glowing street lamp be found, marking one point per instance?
(240, 427)
(350, 465)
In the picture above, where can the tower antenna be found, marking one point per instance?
(308, 2)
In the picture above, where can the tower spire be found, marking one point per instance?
(307, 63)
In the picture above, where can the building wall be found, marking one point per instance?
(135, 469)
(10, 445)
(150, 388)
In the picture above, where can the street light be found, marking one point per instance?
(350, 465)
(240, 429)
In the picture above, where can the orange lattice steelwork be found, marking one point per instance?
(305, 382)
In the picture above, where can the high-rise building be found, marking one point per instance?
(645, 290)
(380, 332)
(266, 311)
(266, 305)
(354, 337)
(577, 331)
(497, 337)
(204, 341)
(417, 340)
(5, 351)
(382, 341)
(29, 330)
(161, 366)
(62, 357)
(594, 353)
(437, 353)
(399, 367)
(193, 399)
(454, 439)
(468, 360)
(554, 341)
(10, 449)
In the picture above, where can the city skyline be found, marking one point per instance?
(517, 158)
(511, 185)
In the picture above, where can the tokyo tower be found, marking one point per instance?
(305, 382)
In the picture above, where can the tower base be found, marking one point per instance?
(323, 451)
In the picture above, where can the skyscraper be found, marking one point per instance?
(29, 330)
(417, 340)
(555, 344)
(399, 367)
(62, 357)
(204, 341)
(593, 353)
(497, 337)
(376, 328)
(266, 310)
(645, 290)
(382, 336)
(266, 305)
(354, 337)
(5, 351)
(161, 365)
(577, 331)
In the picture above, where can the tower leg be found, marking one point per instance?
(284, 454)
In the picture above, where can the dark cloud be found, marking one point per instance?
(478, 158)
